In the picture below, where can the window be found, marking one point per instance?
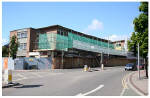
(118, 44)
(22, 34)
(18, 35)
(22, 46)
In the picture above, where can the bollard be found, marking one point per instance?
(9, 76)
(85, 68)
(6, 70)
(7, 73)
(6, 76)
(89, 69)
(102, 66)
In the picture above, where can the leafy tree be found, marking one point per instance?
(132, 44)
(141, 35)
(141, 27)
(5, 50)
(13, 46)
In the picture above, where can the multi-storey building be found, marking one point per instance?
(63, 44)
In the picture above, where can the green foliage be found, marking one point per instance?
(13, 46)
(140, 23)
(5, 50)
(141, 29)
(132, 44)
(144, 7)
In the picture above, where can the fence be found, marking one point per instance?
(32, 63)
(10, 63)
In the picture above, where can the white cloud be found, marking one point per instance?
(5, 41)
(95, 25)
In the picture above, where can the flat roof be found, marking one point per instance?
(71, 30)
(22, 29)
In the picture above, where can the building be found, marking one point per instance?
(67, 48)
(119, 45)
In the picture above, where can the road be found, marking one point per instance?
(71, 82)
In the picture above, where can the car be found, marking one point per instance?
(130, 66)
(141, 66)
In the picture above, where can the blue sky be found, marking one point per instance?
(101, 19)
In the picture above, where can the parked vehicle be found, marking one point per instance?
(141, 66)
(130, 66)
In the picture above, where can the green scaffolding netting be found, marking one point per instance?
(55, 41)
(88, 40)
(52, 41)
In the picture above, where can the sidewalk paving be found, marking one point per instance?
(140, 84)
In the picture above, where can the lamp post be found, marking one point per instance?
(108, 51)
(138, 61)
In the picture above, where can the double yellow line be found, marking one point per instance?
(124, 83)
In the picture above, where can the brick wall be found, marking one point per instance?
(119, 61)
(77, 62)
(73, 62)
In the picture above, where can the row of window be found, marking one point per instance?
(22, 46)
(22, 34)
(118, 45)
(62, 32)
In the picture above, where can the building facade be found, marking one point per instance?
(67, 48)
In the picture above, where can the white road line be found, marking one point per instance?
(22, 77)
(37, 75)
(94, 90)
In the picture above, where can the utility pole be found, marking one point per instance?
(102, 65)
(62, 60)
(108, 47)
(138, 61)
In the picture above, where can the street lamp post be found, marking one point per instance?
(108, 47)
(138, 61)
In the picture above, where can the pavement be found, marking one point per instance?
(112, 81)
(140, 85)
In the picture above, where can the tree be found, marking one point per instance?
(132, 44)
(13, 46)
(141, 29)
(5, 50)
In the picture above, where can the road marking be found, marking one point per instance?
(36, 74)
(22, 77)
(94, 90)
(124, 83)
(133, 88)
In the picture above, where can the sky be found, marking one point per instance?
(113, 20)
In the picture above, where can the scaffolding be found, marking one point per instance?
(54, 41)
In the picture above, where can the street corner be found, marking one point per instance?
(139, 83)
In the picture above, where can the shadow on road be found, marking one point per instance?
(27, 86)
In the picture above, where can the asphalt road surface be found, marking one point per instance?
(70, 82)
